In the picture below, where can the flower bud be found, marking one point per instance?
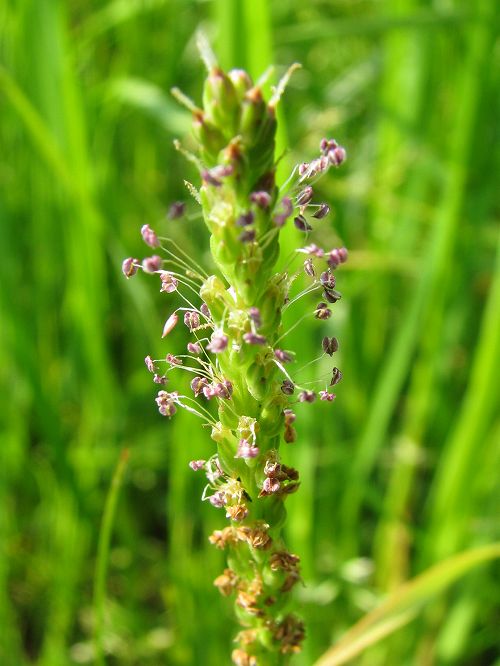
(241, 81)
(220, 102)
(253, 114)
(170, 324)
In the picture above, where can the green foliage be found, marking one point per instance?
(399, 475)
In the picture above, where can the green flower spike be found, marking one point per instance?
(235, 355)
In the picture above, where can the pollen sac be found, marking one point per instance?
(330, 345)
(322, 311)
(301, 223)
(129, 267)
(287, 387)
(336, 376)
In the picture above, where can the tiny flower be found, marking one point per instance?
(272, 468)
(226, 582)
(312, 249)
(149, 364)
(246, 449)
(173, 360)
(210, 179)
(262, 199)
(209, 391)
(168, 282)
(287, 209)
(301, 223)
(160, 379)
(305, 196)
(205, 311)
(322, 211)
(191, 319)
(223, 389)
(129, 267)
(337, 256)
(149, 236)
(337, 156)
(283, 356)
(307, 396)
(330, 345)
(254, 339)
(247, 236)
(170, 324)
(309, 268)
(289, 416)
(327, 279)
(336, 376)
(222, 170)
(270, 486)
(325, 145)
(245, 219)
(303, 168)
(290, 434)
(176, 210)
(165, 402)
(194, 348)
(152, 264)
(218, 499)
(197, 385)
(197, 464)
(218, 342)
(287, 387)
(332, 296)
(329, 397)
(322, 311)
(237, 512)
(254, 314)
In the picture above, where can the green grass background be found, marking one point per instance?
(401, 472)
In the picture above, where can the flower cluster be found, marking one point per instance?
(234, 353)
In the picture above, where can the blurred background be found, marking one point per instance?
(402, 470)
